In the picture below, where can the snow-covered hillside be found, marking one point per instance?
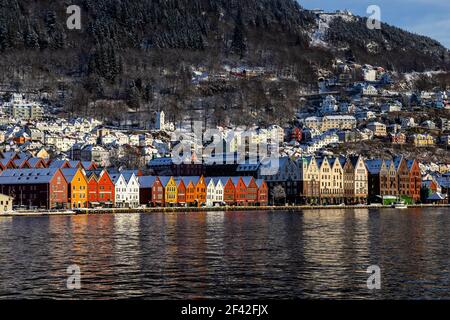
(318, 36)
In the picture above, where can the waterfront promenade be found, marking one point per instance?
(206, 209)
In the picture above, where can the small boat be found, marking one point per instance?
(400, 205)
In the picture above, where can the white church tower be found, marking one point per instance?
(160, 122)
(160, 119)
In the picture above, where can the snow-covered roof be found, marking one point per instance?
(27, 176)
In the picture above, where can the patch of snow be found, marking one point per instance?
(372, 47)
(411, 77)
(318, 35)
(323, 21)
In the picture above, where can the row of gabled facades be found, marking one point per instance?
(61, 184)
(353, 180)
(75, 188)
(38, 183)
(201, 191)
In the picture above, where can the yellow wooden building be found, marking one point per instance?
(171, 192)
(77, 189)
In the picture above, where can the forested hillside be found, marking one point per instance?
(140, 53)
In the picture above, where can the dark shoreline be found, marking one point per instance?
(209, 209)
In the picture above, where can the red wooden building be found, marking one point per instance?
(190, 191)
(92, 179)
(106, 189)
(240, 191)
(251, 194)
(158, 191)
(181, 192)
(229, 191)
(101, 189)
(415, 179)
(263, 192)
(35, 188)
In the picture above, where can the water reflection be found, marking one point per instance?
(309, 254)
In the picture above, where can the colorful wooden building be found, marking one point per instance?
(263, 192)
(171, 192)
(190, 191)
(415, 179)
(229, 191)
(200, 191)
(78, 188)
(181, 192)
(240, 191)
(251, 191)
(35, 188)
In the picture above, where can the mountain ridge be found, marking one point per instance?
(143, 52)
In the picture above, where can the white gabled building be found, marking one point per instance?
(210, 192)
(214, 191)
(120, 189)
(132, 189)
(219, 189)
(126, 190)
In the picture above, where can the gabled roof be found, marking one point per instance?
(19, 163)
(354, 160)
(74, 164)
(57, 163)
(128, 175)
(259, 182)
(27, 176)
(343, 161)
(397, 162)
(164, 180)
(95, 173)
(333, 161)
(146, 181)
(410, 164)
(247, 180)
(194, 179)
(5, 162)
(374, 166)
(235, 180)
(178, 181)
(320, 161)
(115, 177)
(217, 180)
(69, 174)
(388, 163)
(307, 159)
(35, 161)
(437, 197)
(88, 164)
(224, 180)
(427, 183)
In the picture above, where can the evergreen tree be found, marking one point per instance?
(239, 43)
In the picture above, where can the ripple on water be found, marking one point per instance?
(309, 254)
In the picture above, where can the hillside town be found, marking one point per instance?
(350, 142)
